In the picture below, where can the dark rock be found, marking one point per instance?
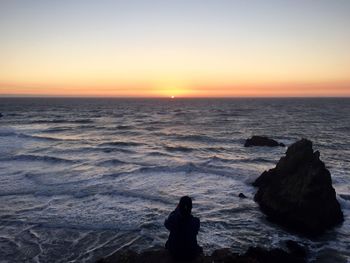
(261, 141)
(327, 255)
(225, 255)
(1, 115)
(296, 249)
(162, 255)
(275, 255)
(298, 192)
(127, 256)
(241, 195)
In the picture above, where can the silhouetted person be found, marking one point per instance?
(183, 227)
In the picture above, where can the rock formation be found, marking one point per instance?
(261, 141)
(241, 195)
(298, 192)
(253, 255)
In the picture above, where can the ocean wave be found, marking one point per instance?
(56, 129)
(17, 193)
(344, 201)
(124, 127)
(125, 132)
(121, 143)
(178, 149)
(7, 132)
(13, 114)
(229, 114)
(80, 190)
(82, 121)
(187, 168)
(155, 123)
(177, 114)
(133, 194)
(220, 159)
(71, 225)
(90, 149)
(195, 138)
(151, 128)
(114, 162)
(43, 138)
(257, 160)
(215, 149)
(37, 158)
(113, 149)
(86, 126)
(43, 121)
(158, 154)
(345, 196)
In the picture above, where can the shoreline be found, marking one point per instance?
(295, 253)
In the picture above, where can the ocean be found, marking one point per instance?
(83, 178)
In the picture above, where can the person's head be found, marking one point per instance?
(185, 205)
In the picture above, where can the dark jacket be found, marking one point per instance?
(182, 241)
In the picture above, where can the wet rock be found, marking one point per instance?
(261, 141)
(225, 255)
(298, 192)
(328, 255)
(161, 255)
(241, 195)
(275, 255)
(296, 249)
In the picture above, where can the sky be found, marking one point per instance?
(183, 48)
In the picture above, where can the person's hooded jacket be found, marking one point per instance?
(182, 241)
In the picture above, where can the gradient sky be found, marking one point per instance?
(181, 47)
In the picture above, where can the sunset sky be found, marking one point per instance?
(185, 48)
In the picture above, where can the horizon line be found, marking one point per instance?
(4, 96)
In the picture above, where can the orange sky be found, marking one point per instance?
(183, 48)
(140, 90)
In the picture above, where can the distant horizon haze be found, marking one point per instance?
(203, 91)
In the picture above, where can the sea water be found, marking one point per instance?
(83, 178)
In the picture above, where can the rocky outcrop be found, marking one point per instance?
(162, 255)
(241, 195)
(298, 192)
(261, 141)
(275, 255)
(253, 255)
